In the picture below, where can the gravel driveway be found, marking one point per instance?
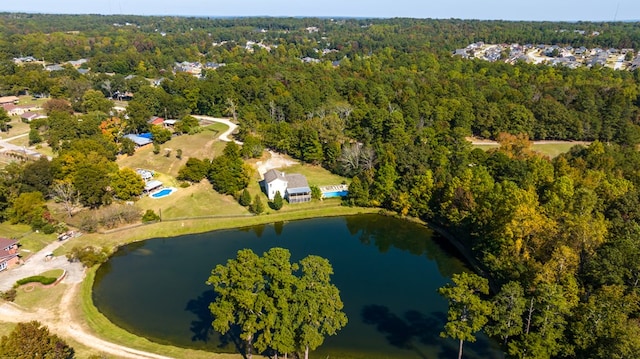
(39, 263)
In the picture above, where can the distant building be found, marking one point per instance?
(30, 116)
(9, 100)
(139, 140)
(8, 253)
(155, 120)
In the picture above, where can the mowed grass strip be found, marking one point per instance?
(551, 150)
(555, 149)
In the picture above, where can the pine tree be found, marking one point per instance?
(245, 198)
(277, 201)
(257, 206)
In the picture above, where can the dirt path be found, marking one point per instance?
(276, 160)
(60, 320)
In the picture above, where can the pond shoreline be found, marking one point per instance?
(386, 248)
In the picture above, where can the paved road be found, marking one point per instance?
(38, 263)
(5, 146)
(225, 135)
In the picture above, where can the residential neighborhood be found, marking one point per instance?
(554, 55)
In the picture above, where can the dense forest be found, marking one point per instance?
(388, 106)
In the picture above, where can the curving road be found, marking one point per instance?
(225, 135)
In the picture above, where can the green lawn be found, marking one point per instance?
(30, 242)
(316, 175)
(547, 149)
(201, 145)
(194, 201)
(32, 296)
(16, 128)
(554, 149)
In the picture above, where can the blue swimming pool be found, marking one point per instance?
(335, 194)
(163, 193)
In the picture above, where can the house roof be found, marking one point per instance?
(6, 242)
(155, 120)
(296, 181)
(152, 184)
(9, 99)
(272, 175)
(32, 116)
(9, 106)
(138, 140)
(299, 190)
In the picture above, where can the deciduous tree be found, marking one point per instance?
(468, 312)
(32, 340)
(126, 184)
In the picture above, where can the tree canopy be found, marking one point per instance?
(274, 308)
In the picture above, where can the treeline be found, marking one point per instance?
(163, 40)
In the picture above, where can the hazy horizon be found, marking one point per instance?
(542, 10)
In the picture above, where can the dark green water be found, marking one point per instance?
(387, 270)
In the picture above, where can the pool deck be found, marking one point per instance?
(334, 188)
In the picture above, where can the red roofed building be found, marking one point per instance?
(8, 253)
(155, 120)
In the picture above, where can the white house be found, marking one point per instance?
(275, 181)
(292, 187)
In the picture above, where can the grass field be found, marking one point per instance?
(194, 201)
(551, 150)
(554, 149)
(201, 145)
(32, 296)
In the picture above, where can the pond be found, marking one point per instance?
(388, 271)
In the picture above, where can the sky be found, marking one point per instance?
(536, 10)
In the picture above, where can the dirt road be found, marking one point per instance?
(60, 320)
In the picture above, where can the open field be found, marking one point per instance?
(32, 296)
(194, 201)
(546, 148)
(554, 149)
(201, 145)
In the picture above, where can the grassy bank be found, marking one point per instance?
(100, 326)
(170, 228)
